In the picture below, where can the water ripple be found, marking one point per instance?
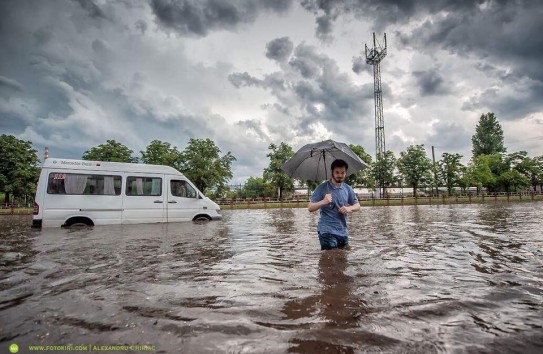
(432, 279)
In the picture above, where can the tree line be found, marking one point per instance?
(200, 161)
(490, 166)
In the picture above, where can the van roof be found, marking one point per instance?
(69, 164)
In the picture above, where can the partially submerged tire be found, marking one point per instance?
(78, 222)
(201, 218)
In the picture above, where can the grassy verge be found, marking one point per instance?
(363, 202)
(16, 211)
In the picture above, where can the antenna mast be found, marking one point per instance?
(374, 56)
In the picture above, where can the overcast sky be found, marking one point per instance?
(247, 73)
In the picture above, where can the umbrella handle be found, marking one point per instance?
(329, 192)
(325, 169)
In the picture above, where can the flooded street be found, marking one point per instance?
(417, 279)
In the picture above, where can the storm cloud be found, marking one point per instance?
(200, 17)
(247, 73)
(430, 82)
(279, 49)
(320, 96)
(499, 32)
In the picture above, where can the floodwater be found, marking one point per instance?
(417, 279)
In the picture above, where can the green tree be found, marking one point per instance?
(19, 171)
(161, 153)
(513, 179)
(450, 170)
(256, 187)
(465, 179)
(516, 172)
(538, 173)
(488, 137)
(530, 167)
(273, 173)
(364, 176)
(202, 164)
(112, 151)
(415, 166)
(383, 170)
(480, 172)
(311, 185)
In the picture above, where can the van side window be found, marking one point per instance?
(180, 188)
(143, 186)
(83, 184)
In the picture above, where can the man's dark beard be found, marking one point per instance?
(336, 179)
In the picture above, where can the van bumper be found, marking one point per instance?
(36, 223)
(218, 217)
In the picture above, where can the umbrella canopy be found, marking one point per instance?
(313, 161)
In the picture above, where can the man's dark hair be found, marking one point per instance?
(340, 163)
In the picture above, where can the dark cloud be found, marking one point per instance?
(360, 65)
(519, 101)
(244, 79)
(101, 47)
(141, 26)
(504, 37)
(11, 122)
(493, 71)
(497, 34)
(92, 9)
(279, 6)
(254, 126)
(503, 29)
(279, 49)
(276, 82)
(430, 82)
(318, 95)
(199, 17)
(308, 62)
(324, 28)
(449, 137)
(7, 85)
(381, 13)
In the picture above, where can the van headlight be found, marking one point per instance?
(218, 210)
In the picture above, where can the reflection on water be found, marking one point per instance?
(418, 279)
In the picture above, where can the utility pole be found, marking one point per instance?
(374, 56)
(435, 171)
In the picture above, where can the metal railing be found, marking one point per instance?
(302, 200)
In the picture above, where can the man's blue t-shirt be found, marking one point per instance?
(331, 220)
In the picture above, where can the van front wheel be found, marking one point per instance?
(201, 218)
(78, 222)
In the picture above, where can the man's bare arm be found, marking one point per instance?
(317, 205)
(350, 208)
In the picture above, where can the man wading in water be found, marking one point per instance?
(335, 199)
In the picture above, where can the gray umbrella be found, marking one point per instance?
(313, 161)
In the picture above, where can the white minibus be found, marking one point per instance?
(78, 192)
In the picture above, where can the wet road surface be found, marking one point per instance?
(416, 279)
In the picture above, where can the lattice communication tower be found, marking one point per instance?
(374, 56)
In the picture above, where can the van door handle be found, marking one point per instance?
(172, 202)
(158, 201)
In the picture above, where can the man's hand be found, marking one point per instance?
(327, 199)
(346, 209)
(317, 205)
